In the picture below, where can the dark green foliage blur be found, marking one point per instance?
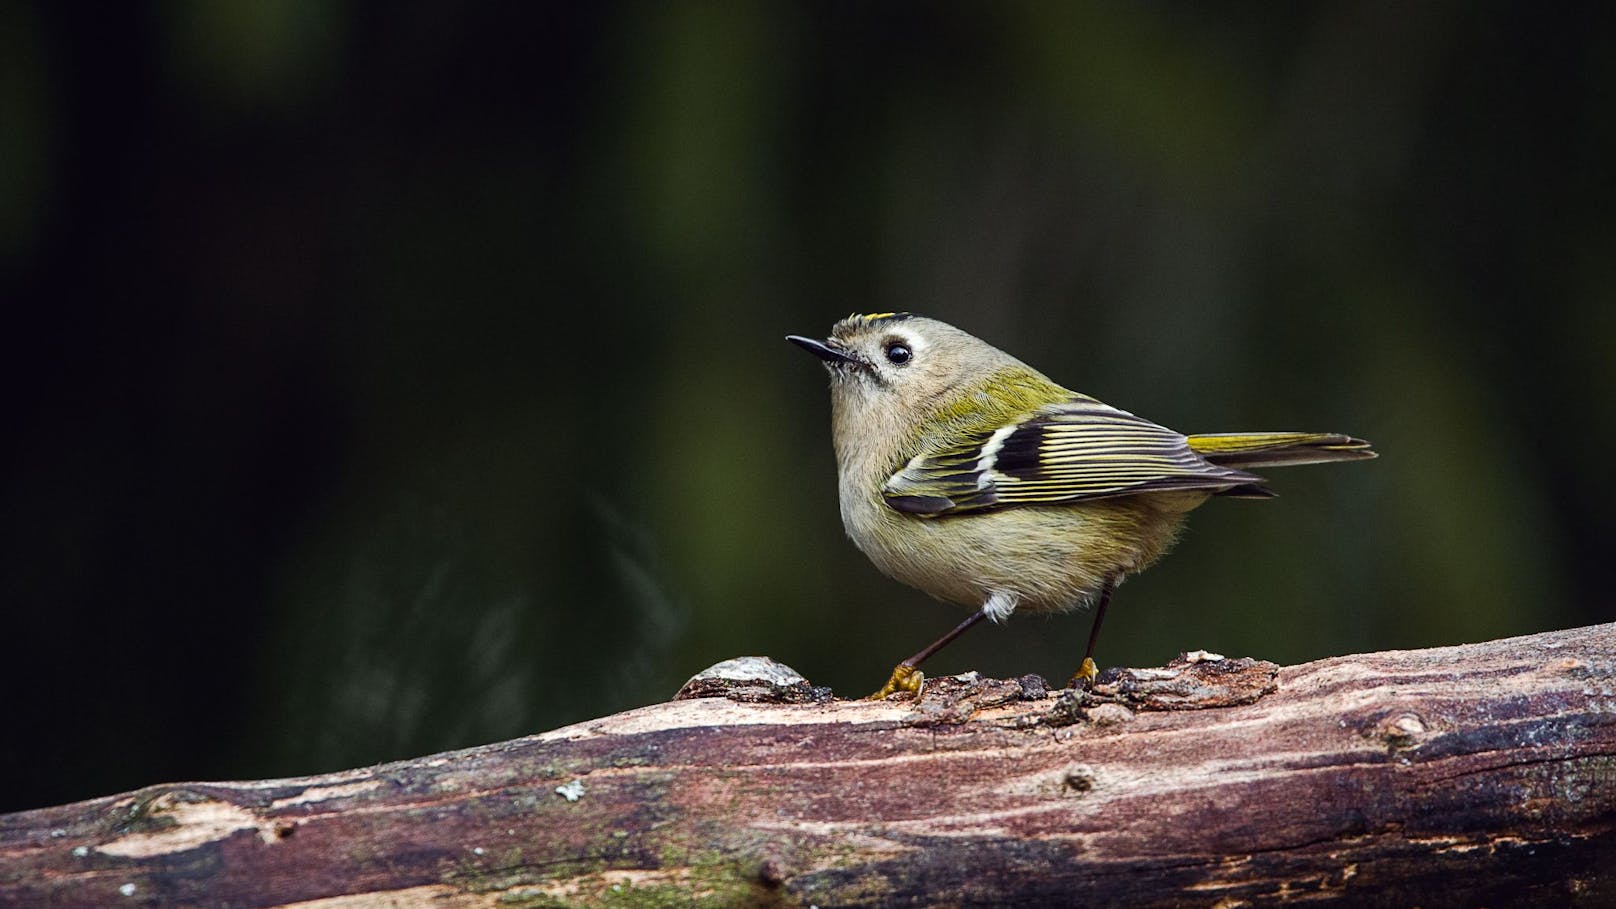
(383, 378)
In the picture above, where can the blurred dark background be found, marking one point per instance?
(382, 378)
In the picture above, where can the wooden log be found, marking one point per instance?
(1482, 774)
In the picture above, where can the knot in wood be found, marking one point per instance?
(1404, 730)
(1078, 779)
(753, 679)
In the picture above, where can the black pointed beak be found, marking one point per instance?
(822, 350)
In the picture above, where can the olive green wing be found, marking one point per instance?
(1071, 452)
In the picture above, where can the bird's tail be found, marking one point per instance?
(1270, 449)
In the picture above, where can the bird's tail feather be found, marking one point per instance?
(1271, 449)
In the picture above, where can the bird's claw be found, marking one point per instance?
(904, 678)
(1086, 674)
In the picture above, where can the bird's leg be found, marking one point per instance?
(906, 676)
(1088, 671)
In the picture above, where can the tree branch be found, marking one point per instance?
(1466, 775)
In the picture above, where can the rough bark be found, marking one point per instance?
(1459, 776)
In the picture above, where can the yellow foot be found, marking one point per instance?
(1085, 675)
(904, 678)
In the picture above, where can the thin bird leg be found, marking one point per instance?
(1087, 672)
(906, 676)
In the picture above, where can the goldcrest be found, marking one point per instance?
(968, 474)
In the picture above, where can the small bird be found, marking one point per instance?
(971, 476)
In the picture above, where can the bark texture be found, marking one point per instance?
(1482, 774)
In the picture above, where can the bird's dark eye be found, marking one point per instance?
(898, 354)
